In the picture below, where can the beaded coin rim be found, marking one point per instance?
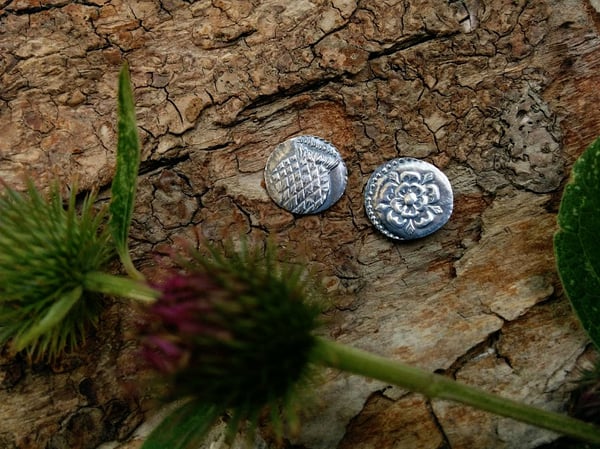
(383, 170)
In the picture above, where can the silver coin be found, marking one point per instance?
(408, 198)
(305, 175)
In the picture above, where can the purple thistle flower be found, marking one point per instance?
(235, 332)
(163, 355)
(183, 312)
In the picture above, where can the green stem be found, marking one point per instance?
(131, 270)
(345, 358)
(110, 284)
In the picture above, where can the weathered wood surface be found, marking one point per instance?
(502, 95)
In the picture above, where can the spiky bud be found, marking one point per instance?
(236, 331)
(45, 251)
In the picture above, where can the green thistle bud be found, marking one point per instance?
(46, 249)
(234, 332)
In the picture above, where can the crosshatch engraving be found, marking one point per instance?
(305, 175)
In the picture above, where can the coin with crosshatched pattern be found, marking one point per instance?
(305, 175)
(408, 198)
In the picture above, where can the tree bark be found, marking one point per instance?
(501, 95)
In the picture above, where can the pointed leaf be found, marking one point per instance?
(576, 244)
(53, 317)
(185, 428)
(428, 177)
(128, 161)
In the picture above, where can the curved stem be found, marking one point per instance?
(345, 358)
(110, 284)
(131, 270)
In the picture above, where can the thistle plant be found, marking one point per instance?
(237, 334)
(234, 332)
(54, 256)
(46, 250)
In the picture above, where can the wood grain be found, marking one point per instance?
(502, 96)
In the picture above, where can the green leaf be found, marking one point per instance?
(125, 181)
(53, 317)
(577, 244)
(185, 428)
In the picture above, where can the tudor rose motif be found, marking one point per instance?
(408, 198)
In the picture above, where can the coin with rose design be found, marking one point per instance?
(408, 198)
